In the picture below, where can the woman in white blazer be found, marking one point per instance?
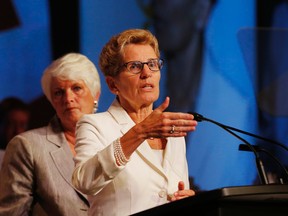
(131, 157)
(35, 178)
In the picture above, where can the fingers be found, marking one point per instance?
(164, 105)
(182, 192)
(160, 124)
(181, 185)
(180, 128)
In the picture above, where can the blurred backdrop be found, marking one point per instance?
(223, 59)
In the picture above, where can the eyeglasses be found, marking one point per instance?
(136, 67)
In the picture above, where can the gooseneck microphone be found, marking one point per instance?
(229, 129)
(199, 118)
(243, 147)
(259, 163)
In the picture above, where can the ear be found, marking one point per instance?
(97, 96)
(111, 84)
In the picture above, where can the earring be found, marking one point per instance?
(95, 107)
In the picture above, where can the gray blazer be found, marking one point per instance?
(35, 178)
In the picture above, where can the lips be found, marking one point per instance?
(147, 85)
(70, 108)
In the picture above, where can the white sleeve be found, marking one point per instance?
(95, 164)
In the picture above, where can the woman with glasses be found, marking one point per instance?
(132, 157)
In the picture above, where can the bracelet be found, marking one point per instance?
(119, 154)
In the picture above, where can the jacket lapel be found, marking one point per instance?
(62, 153)
(144, 150)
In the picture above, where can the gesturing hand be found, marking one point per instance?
(182, 193)
(161, 124)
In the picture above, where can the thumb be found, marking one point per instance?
(181, 185)
(164, 105)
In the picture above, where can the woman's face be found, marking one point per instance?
(140, 90)
(71, 99)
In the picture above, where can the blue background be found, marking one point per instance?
(227, 91)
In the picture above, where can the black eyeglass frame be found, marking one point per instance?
(160, 65)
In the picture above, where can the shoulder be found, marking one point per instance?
(28, 138)
(95, 119)
(38, 133)
(100, 122)
(21, 148)
(114, 116)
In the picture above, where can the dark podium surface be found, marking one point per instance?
(255, 200)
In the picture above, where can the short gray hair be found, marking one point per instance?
(72, 66)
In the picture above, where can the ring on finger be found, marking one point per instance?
(172, 129)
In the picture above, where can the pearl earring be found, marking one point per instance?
(95, 107)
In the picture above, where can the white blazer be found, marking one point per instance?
(141, 184)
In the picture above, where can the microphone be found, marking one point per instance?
(259, 163)
(198, 117)
(243, 147)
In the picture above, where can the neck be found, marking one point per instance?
(137, 113)
(141, 114)
(71, 139)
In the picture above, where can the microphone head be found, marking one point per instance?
(244, 147)
(197, 116)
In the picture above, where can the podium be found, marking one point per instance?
(264, 200)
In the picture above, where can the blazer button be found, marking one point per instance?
(162, 193)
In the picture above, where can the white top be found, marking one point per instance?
(124, 190)
(159, 154)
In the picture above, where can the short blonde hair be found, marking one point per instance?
(111, 56)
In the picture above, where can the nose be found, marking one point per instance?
(69, 95)
(146, 72)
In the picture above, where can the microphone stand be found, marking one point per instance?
(243, 147)
(199, 118)
(259, 163)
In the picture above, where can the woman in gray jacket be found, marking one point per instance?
(35, 178)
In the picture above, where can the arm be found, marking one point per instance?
(16, 176)
(95, 165)
(158, 125)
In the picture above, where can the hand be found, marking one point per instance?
(160, 124)
(182, 193)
